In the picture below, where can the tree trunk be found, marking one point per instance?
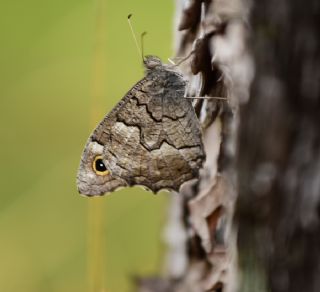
(279, 154)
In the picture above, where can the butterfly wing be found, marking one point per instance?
(152, 137)
(90, 181)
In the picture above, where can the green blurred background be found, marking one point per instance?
(61, 62)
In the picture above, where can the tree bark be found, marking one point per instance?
(279, 153)
(220, 66)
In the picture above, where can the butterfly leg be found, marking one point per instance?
(207, 97)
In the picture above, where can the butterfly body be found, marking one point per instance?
(151, 138)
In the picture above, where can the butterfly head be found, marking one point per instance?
(152, 62)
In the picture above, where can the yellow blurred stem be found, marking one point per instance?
(96, 243)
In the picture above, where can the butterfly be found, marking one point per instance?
(151, 138)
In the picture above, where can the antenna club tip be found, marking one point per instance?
(129, 16)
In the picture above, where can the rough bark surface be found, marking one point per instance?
(220, 66)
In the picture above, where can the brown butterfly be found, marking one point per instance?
(151, 138)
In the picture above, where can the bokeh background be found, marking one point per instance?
(63, 65)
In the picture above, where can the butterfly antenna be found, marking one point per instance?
(142, 45)
(134, 36)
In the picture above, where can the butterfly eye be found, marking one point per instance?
(99, 167)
